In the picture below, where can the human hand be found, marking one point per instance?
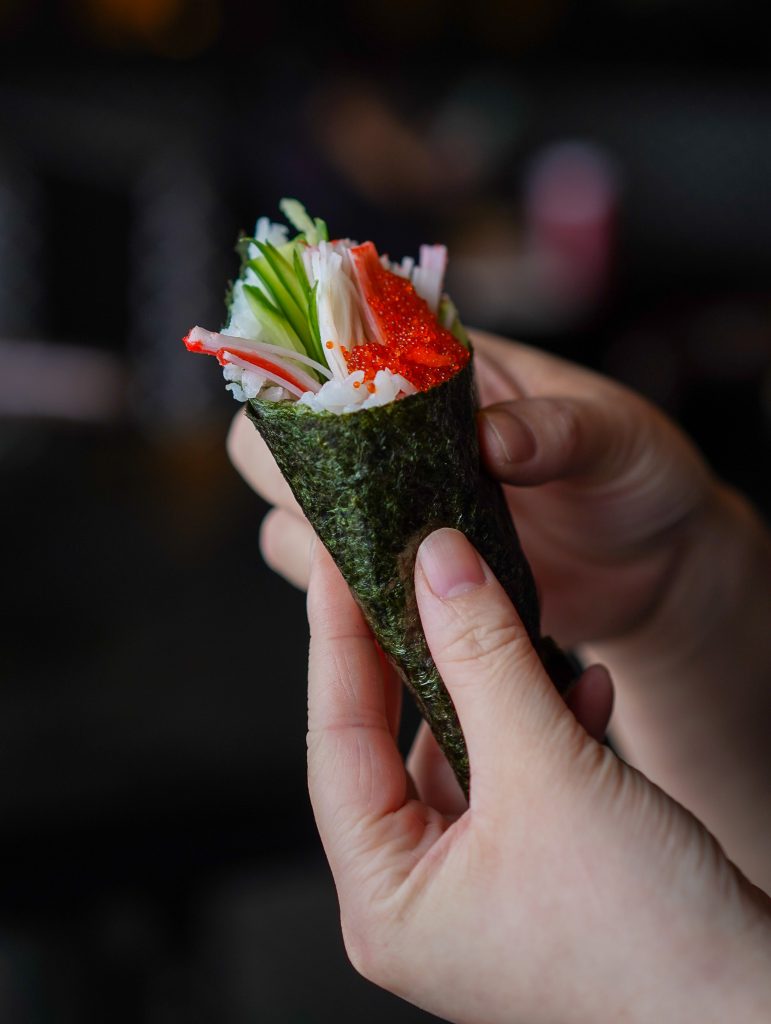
(570, 890)
(640, 554)
(607, 490)
(618, 486)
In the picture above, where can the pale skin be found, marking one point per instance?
(570, 888)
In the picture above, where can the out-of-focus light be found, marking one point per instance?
(478, 124)
(171, 28)
(552, 269)
(142, 17)
(174, 282)
(20, 227)
(50, 381)
(571, 200)
(382, 155)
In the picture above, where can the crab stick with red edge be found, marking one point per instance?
(230, 359)
(255, 353)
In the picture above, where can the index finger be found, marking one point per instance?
(510, 369)
(355, 773)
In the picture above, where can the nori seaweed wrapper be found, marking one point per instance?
(373, 484)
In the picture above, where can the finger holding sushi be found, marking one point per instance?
(251, 457)
(605, 489)
(286, 540)
(659, 569)
(610, 485)
(590, 700)
(570, 889)
(356, 776)
(477, 640)
(639, 552)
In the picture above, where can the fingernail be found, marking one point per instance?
(510, 438)
(450, 564)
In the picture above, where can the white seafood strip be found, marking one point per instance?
(276, 378)
(428, 276)
(213, 342)
(338, 306)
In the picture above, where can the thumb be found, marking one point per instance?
(506, 703)
(536, 440)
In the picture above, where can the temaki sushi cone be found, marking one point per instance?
(391, 455)
(374, 484)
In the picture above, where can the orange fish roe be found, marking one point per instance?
(416, 345)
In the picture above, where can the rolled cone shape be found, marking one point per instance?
(373, 484)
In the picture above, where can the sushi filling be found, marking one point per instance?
(332, 324)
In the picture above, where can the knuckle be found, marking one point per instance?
(567, 427)
(487, 640)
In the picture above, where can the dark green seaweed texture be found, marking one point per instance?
(374, 483)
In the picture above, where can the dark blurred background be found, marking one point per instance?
(602, 174)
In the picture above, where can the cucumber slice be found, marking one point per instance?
(297, 215)
(284, 300)
(313, 316)
(284, 271)
(278, 328)
(299, 269)
(447, 311)
(314, 228)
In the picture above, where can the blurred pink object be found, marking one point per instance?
(571, 203)
(54, 381)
